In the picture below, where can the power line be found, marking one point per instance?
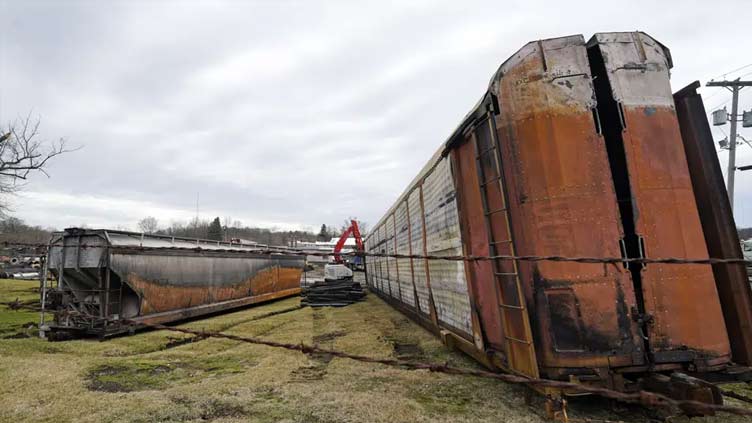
(721, 91)
(735, 86)
(748, 73)
(735, 70)
(714, 94)
(716, 107)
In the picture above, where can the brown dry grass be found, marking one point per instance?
(139, 379)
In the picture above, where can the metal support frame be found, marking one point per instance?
(431, 304)
(396, 261)
(410, 252)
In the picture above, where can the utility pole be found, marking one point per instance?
(734, 86)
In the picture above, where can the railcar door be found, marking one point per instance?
(678, 307)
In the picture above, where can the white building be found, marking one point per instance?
(325, 246)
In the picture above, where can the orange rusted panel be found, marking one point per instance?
(681, 303)
(158, 297)
(717, 221)
(562, 202)
(184, 313)
(483, 301)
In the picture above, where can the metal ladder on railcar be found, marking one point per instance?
(509, 302)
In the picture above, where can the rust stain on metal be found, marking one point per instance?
(483, 291)
(717, 221)
(574, 150)
(565, 205)
(663, 192)
(659, 201)
(157, 297)
(184, 313)
(174, 280)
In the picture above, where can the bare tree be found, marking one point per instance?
(148, 225)
(22, 153)
(362, 226)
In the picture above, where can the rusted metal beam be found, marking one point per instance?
(717, 220)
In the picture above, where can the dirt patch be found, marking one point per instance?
(216, 409)
(128, 378)
(328, 337)
(405, 348)
(408, 351)
(142, 375)
(210, 409)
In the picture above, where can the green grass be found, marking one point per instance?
(13, 322)
(145, 378)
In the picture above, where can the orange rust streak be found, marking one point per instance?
(682, 299)
(157, 298)
(475, 238)
(170, 316)
(568, 207)
(563, 202)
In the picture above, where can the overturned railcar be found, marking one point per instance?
(109, 282)
(574, 150)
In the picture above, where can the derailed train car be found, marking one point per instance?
(574, 150)
(109, 282)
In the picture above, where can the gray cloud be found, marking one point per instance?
(284, 113)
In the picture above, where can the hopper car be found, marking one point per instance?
(111, 282)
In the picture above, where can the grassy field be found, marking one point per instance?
(161, 376)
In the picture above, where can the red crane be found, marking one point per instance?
(351, 230)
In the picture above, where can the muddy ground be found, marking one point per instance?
(164, 376)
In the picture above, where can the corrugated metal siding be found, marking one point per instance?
(448, 283)
(394, 288)
(384, 280)
(369, 263)
(372, 272)
(442, 237)
(403, 247)
(416, 242)
(378, 247)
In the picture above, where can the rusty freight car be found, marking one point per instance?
(574, 150)
(105, 276)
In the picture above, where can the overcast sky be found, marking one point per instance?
(292, 114)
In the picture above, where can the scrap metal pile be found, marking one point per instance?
(337, 293)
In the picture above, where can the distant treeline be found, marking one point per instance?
(744, 233)
(212, 229)
(228, 229)
(13, 229)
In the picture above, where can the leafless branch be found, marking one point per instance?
(23, 152)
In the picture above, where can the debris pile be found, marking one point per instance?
(337, 293)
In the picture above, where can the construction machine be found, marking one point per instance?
(339, 269)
